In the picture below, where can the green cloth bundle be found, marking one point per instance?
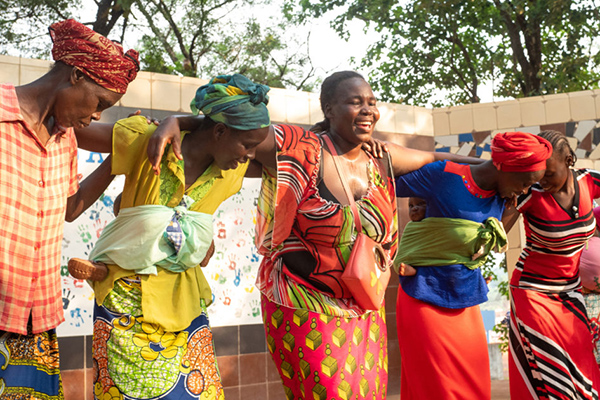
(235, 101)
(436, 242)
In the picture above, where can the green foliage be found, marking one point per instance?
(189, 38)
(428, 47)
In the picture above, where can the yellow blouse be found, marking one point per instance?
(170, 299)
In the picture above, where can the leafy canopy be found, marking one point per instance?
(428, 47)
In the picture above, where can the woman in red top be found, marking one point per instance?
(551, 352)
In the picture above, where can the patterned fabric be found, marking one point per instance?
(235, 101)
(592, 306)
(325, 357)
(520, 152)
(29, 366)
(99, 58)
(135, 359)
(443, 351)
(142, 187)
(35, 181)
(551, 351)
(296, 223)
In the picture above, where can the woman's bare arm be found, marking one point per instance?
(96, 137)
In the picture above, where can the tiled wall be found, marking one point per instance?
(248, 373)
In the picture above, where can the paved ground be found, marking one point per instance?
(499, 391)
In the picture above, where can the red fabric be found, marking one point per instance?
(325, 357)
(99, 58)
(520, 152)
(443, 351)
(35, 181)
(551, 350)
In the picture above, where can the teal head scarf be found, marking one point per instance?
(235, 101)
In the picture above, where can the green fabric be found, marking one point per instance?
(235, 101)
(135, 239)
(449, 241)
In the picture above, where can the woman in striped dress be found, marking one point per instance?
(551, 351)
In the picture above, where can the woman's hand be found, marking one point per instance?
(168, 132)
(376, 147)
(149, 120)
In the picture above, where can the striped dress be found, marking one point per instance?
(551, 351)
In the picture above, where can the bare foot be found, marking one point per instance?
(86, 269)
(407, 270)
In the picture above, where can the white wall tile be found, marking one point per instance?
(461, 119)
(423, 121)
(139, 92)
(447, 140)
(387, 117)
(557, 108)
(297, 107)
(441, 121)
(509, 114)
(583, 105)
(465, 149)
(316, 114)
(484, 117)
(533, 111)
(166, 92)
(583, 129)
(276, 106)
(529, 129)
(189, 87)
(405, 119)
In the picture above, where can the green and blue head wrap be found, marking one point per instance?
(235, 101)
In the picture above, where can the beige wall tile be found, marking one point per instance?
(573, 142)
(597, 165)
(595, 155)
(276, 106)
(166, 92)
(484, 117)
(32, 69)
(189, 87)
(9, 71)
(139, 92)
(405, 119)
(423, 121)
(441, 121)
(597, 102)
(584, 163)
(316, 114)
(509, 114)
(583, 105)
(533, 111)
(461, 119)
(557, 108)
(387, 117)
(297, 107)
(9, 60)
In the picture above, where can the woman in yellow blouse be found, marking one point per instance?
(151, 332)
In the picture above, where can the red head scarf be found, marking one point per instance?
(520, 152)
(99, 58)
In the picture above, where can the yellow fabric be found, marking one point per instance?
(169, 299)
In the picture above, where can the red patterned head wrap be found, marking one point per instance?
(520, 152)
(99, 58)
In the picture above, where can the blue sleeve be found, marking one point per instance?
(420, 183)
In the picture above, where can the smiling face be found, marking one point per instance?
(82, 102)
(235, 146)
(557, 172)
(512, 184)
(353, 112)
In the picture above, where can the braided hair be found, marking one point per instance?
(328, 89)
(559, 144)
